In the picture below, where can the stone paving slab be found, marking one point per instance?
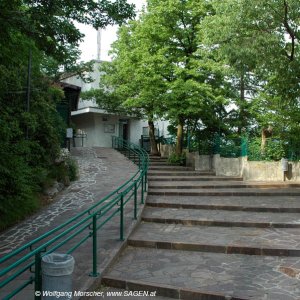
(239, 276)
(179, 173)
(169, 168)
(221, 218)
(192, 178)
(274, 203)
(258, 241)
(221, 185)
(102, 170)
(225, 192)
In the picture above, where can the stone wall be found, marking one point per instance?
(249, 170)
(166, 150)
(227, 166)
(270, 171)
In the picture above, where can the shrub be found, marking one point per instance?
(274, 150)
(175, 159)
(72, 167)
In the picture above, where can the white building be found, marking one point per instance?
(95, 126)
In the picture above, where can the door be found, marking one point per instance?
(123, 129)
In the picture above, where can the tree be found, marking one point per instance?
(193, 78)
(31, 138)
(51, 24)
(260, 43)
(132, 82)
(161, 68)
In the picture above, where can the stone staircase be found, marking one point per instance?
(208, 237)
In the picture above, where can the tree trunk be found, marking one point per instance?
(265, 133)
(179, 145)
(153, 144)
(263, 140)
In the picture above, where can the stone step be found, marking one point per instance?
(222, 185)
(193, 178)
(224, 192)
(229, 240)
(159, 163)
(221, 218)
(162, 160)
(274, 203)
(179, 173)
(170, 168)
(207, 276)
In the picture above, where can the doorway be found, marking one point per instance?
(124, 129)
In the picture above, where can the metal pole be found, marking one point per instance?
(94, 272)
(122, 218)
(38, 277)
(135, 200)
(142, 191)
(146, 182)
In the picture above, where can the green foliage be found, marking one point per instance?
(260, 43)
(274, 150)
(161, 67)
(31, 131)
(50, 24)
(230, 147)
(73, 171)
(175, 159)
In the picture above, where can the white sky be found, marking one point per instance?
(89, 46)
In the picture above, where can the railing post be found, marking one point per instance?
(244, 146)
(94, 273)
(38, 277)
(122, 218)
(135, 200)
(146, 181)
(142, 190)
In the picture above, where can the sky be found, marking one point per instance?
(108, 35)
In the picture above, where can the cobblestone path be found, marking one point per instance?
(76, 196)
(206, 237)
(102, 170)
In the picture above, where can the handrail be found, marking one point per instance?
(84, 225)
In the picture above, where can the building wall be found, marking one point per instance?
(76, 80)
(98, 131)
(91, 120)
(136, 130)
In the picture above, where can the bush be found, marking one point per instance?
(18, 189)
(72, 169)
(175, 159)
(274, 150)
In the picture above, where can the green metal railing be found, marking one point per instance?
(84, 226)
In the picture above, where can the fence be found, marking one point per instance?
(274, 149)
(86, 225)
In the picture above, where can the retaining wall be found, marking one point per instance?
(249, 170)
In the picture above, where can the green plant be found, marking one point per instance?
(73, 171)
(273, 151)
(175, 159)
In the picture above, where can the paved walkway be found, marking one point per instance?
(207, 238)
(102, 170)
